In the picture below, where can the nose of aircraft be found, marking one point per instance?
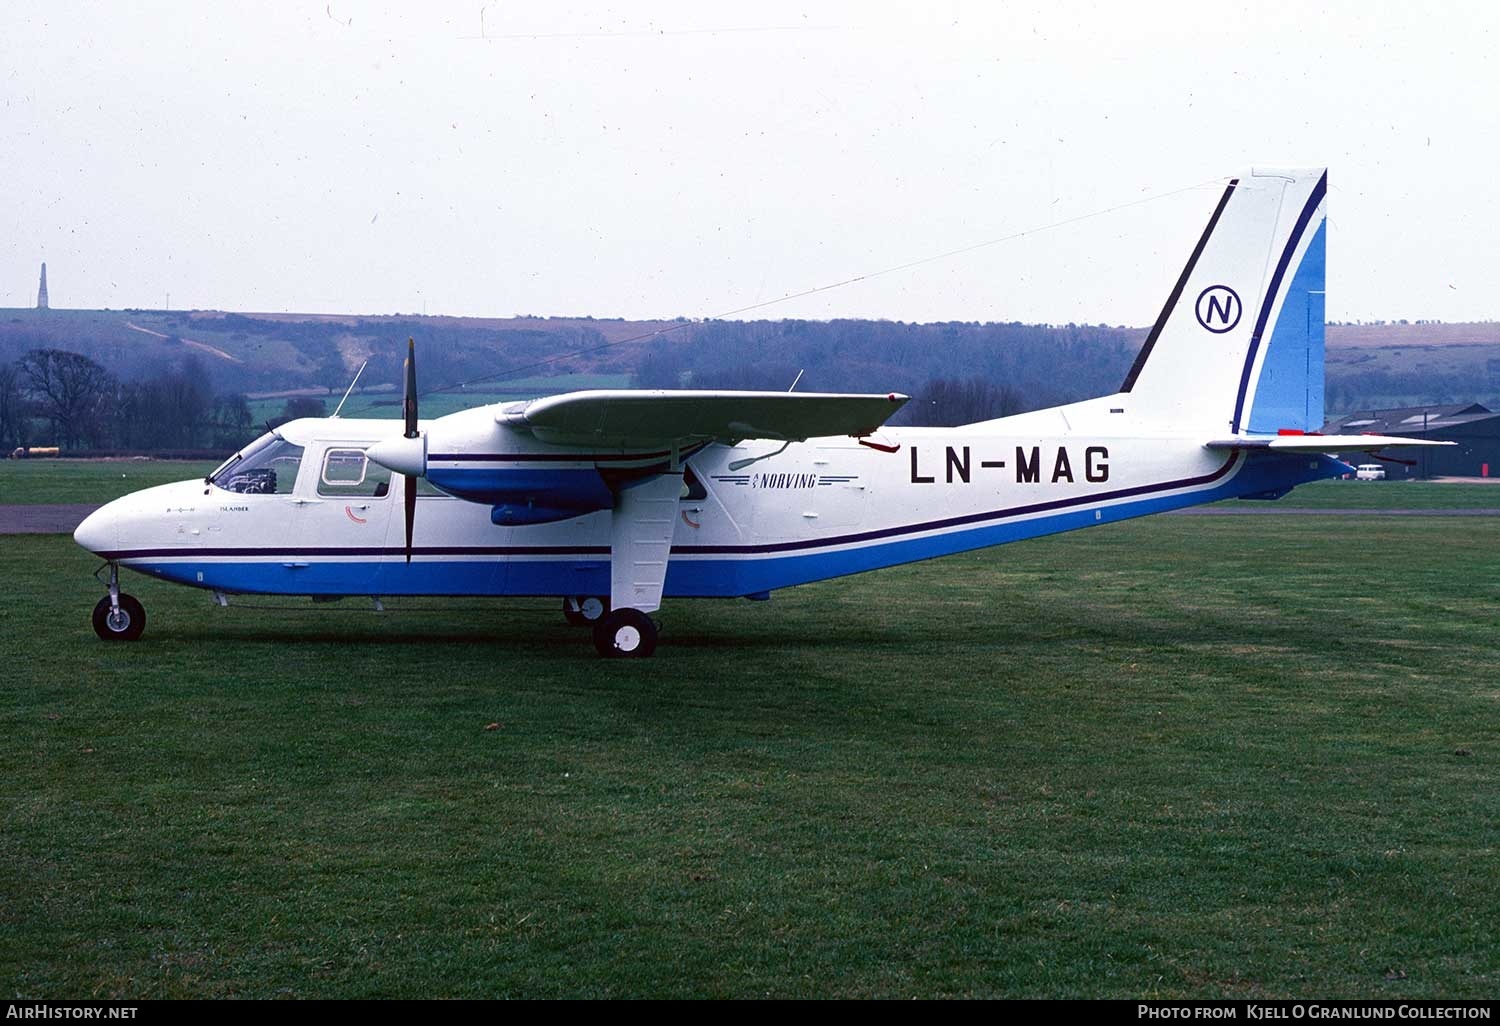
(100, 530)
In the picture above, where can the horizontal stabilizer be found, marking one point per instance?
(1322, 443)
(642, 418)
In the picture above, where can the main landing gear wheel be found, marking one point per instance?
(625, 634)
(123, 624)
(584, 610)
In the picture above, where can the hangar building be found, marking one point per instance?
(1475, 428)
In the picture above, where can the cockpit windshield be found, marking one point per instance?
(267, 466)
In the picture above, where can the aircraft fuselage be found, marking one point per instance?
(821, 509)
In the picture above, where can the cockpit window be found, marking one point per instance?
(347, 472)
(253, 447)
(268, 466)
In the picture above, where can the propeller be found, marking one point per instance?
(406, 455)
(409, 414)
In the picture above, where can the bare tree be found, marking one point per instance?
(12, 408)
(232, 426)
(171, 410)
(298, 407)
(71, 391)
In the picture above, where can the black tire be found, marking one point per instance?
(591, 609)
(126, 625)
(625, 634)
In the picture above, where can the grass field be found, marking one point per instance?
(1376, 495)
(1178, 757)
(28, 482)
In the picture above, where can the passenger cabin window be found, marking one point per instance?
(346, 472)
(267, 466)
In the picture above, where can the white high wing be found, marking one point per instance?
(613, 500)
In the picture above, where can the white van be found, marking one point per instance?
(1369, 472)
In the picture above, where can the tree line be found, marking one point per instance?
(56, 397)
(1357, 389)
(956, 373)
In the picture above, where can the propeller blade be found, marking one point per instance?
(409, 413)
(411, 509)
(409, 399)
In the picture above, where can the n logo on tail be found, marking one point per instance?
(1219, 308)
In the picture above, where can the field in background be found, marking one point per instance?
(1240, 756)
(1377, 495)
(29, 482)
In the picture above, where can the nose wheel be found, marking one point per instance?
(122, 622)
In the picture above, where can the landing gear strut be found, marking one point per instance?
(118, 616)
(625, 634)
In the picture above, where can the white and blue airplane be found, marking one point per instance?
(615, 500)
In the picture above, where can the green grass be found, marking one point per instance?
(1382, 495)
(1176, 757)
(29, 482)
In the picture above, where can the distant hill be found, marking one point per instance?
(283, 353)
(1369, 365)
(1382, 366)
(1423, 333)
(268, 352)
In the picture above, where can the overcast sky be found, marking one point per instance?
(689, 159)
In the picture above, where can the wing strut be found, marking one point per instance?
(640, 541)
(640, 547)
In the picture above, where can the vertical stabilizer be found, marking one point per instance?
(1239, 345)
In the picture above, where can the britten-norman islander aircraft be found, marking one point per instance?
(614, 500)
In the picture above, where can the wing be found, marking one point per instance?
(645, 418)
(1322, 443)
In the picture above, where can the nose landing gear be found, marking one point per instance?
(117, 616)
(123, 622)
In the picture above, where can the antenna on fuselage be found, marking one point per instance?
(342, 401)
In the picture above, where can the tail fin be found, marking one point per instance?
(1239, 344)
